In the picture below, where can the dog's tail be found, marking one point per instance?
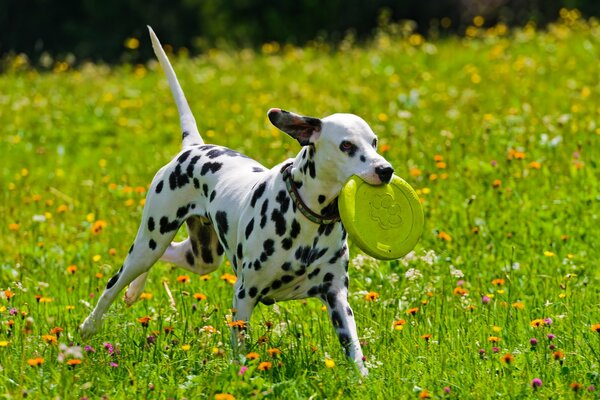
(190, 135)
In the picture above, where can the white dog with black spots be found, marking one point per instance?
(279, 227)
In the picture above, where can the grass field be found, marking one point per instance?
(498, 131)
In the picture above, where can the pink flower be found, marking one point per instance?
(243, 370)
(533, 341)
(485, 299)
(551, 336)
(536, 383)
(114, 365)
(548, 321)
(109, 347)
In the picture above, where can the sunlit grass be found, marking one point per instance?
(498, 132)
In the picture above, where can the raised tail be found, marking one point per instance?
(190, 135)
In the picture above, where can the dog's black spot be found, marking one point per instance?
(346, 265)
(321, 199)
(283, 200)
(276, 284)
(182, 211)
(363, 158)
(220, 249)
(301, 271)
(177, 179)
(258, 192)
(168, 226)
(280, 224)
(191, 165)
(314, 273)
(210, 167)
(346, 282)
(269, 246)
(298, 186)
(337, 255)
(213, 195)
(331, 208)
(253, 292)
(240, 250)
(349, 311)
(112, 281)
(336, 319)
(287, 278)
(206, 255)
(184, 156)
(150, 224)
(205, 190)
(287, 243)
(184, 134)
(222, 226)
(265, 291)
(257, 265)
(286, 266)
(241, 294)
(223, 151)
(326, 229)
(345, 341)
(258, 169)
(130, 249)
(302, 254)
(159, 187)
(313, 291)
(152, 244)
(267, 301)
(263, 213)
(249, 228)
(331, 299)
(295, 229)
(196, 183)
(328, 277)
(194, 243)
(189, 257)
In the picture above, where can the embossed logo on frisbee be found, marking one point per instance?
(386, 212)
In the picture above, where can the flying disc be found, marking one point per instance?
(385, 221)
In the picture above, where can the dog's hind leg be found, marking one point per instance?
(201, 253)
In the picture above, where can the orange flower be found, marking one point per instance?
(398, 325)
(444, 236)
(498, 282)
(535, 165)
(146, 296)
(427, 337)
(50, 339)
(265, 366)
(440, 165)
(558, 355)
(224, 396)
(497, 183)
(13, 227)
(238, 324)
(438, 158)
(412, 311)
(8, 294)
(99, 275)
(596, 328)
(231, 279)
(576, 386)
(183, 279)
(518, 305)
(200, 296)
(371, 296)
(57, 330)
(458, 291)
(384, 147)
(71, 269)
(494, 339)
(73, 362)
(424, 394)
(274, 352)
(507, 358)
(144, 321)
(35, 362)
(168, 329)
(252, 356)
(415, 172)
(98, 226)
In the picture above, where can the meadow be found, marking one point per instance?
(498, 131)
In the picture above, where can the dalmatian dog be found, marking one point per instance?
(279, 227)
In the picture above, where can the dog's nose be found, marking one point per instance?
(384, 173)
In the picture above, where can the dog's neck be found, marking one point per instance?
(318, 190)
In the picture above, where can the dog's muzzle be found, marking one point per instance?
(384, 173)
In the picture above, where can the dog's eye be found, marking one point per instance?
(346, 145)
(374, 144)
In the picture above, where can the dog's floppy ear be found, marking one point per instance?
(304, 129)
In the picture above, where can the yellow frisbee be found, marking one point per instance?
(385, 221)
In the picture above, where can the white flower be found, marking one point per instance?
(413, 274)
(456, 273)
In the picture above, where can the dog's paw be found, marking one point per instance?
(89, 328)
(129, 299)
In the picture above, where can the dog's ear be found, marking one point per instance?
(304, 129)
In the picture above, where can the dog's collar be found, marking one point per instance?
(304, 209)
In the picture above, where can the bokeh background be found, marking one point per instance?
(98, 30)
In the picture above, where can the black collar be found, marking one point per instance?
(304, 209)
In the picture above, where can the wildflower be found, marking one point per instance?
(89, 349)
(548, 321)
(208, 329)
(424, 394)
(485, 299)
(113, 364)
(99, 275)
(412, 311)
(274, 352)
(438, 158)
(226, 396)
(237, 324)
(496, 184)
(558, 355)
(329, 363)
(73, 362)
(229, 278)
(199, 296)
(9, 294)
(35, 362)
(265, 366)
(535, 165)
(495, 349)
(427, 337)
(252, 356)
(98, 226)
(413, 274)
(518, 305)
(50, 339)
(4, 343)
(550, 336)
(112, 251)
(444, 236)
(498, 282)
(146, 296)
(371, 296)
(71, 269)
(552, 347)
(576, 386)
(458, 291)
(447, 389)
(109, 347)
(204, 278)
(145, 321)
(507, 358)
(536, 383)
(185, 347)
(183, 279)
(415, 172)
(398, 325)
(481, 353)
(596, 328)
(533, 342)
(242, 370)
(494, 339)
(549, 253)
(536, 323)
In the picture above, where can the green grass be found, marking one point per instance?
(515, 119)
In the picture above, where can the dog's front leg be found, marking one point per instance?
(342, 317)
(242, 311)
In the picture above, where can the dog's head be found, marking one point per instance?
(344, 143)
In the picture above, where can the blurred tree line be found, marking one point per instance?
(98, 30)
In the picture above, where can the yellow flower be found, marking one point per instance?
(371, 296)
(4, 343)
(146, 296)
(536, 323)
(398, 325)
(13, 227)
(50, 339)
(185, 347)
(518, 305)
(329, 363)
(183, 278)
(231, 279)
(444, 236)
(132, 43)
(98, 226)
(265, 366)
(224, 396)
(549, 254)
